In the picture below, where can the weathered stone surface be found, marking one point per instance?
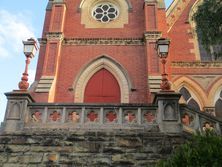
(13, 165)
(18, 148)
(129, 142)
(94, 149)
(3, 157)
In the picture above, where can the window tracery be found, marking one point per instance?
(105, 12)
(189, 99)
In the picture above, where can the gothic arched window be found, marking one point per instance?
(218, 107)
(189, 99)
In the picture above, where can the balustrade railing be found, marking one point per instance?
(107, 116)
(194, 121)
(89, 116)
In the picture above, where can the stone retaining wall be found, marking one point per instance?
(63, 148)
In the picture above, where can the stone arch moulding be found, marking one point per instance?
(127, 1)
(214, 92)
(97, 64)
(193, 87)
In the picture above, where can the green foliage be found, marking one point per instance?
(208, 20)
(200, 151)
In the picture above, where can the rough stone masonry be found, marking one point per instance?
(64, 148)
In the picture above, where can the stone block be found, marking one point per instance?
(102, 161)
(113, 150)
(13, 165)
(36, 158)
(123, 159)
(19, 148)
(129, 142)
(13, 159)
(3, 157)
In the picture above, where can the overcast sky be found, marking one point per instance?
(19, 20)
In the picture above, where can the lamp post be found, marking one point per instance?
(30, 49)
(163, 50)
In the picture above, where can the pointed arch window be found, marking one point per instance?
(189, 99)
(218, 107)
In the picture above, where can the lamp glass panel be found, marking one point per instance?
(28, 49)
(163, 49)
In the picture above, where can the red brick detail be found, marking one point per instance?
(57, 18)
(74, 28)
(111, 116)
(180, 46)
(74, 58)
(153, 59)
(92, 116)
(51, 65)
(150, 17)
(55, 116)
(130, 117)
(40, 64)
(46, 23)
(161, 22)
(149, 117)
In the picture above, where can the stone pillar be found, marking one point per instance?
(168, 114)
(17, 108)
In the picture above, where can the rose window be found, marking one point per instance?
(105, 12)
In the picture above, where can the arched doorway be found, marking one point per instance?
(102, 88)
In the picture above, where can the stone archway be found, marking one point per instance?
(110, 65)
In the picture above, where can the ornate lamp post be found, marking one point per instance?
(163, 50)
(30, 49)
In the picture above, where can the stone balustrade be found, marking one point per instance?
(88, 116)
(164, 115)
(194, 121)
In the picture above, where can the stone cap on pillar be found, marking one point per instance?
(19, 94)
(166, 95)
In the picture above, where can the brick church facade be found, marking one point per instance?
(96, 98)
(83, 59)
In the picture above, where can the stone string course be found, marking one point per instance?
(63, 148)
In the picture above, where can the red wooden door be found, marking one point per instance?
(102, 88)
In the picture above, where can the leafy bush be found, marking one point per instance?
(209, 24)
(200, 151)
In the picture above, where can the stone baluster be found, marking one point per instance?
(63, 114)
(139, 116)
(197, 126)
(120, 119)
(101, 119)
(82, 118)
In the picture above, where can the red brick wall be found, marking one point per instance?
(74, 28)
(73, 58)
(179, 34)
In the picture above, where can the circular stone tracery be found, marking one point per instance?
(105, 12)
